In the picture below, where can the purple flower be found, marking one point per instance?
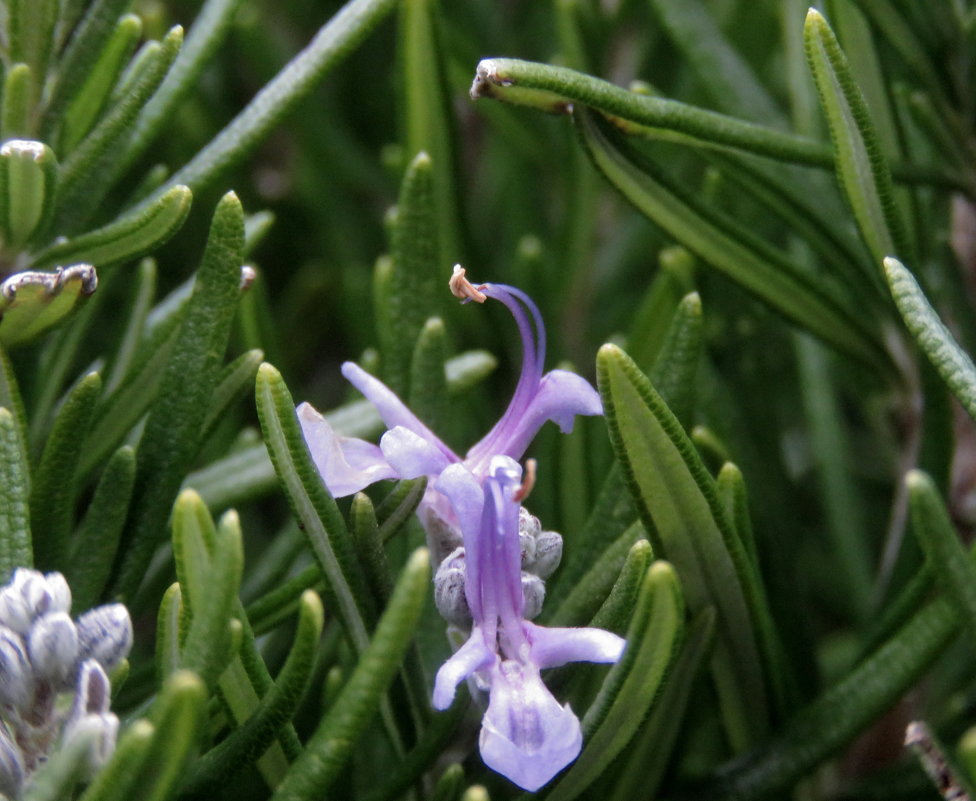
(410, 449)
(526, 734)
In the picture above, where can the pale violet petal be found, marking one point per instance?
(346, 465)
(467, 499)
(393, 410)
(560, 397)
(473, 655)
(552, 647)
(526, 735)
(411, 455)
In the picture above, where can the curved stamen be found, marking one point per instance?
(527, 316)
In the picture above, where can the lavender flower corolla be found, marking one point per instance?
(409, 449)
(526, 735)
(44, 653)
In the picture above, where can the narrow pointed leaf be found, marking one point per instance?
(943, 549)
(11, 400)
(313, 506)
(209, 562)
(87, 172)
(838, 715)
(15, 535)
(15, 111)
(650, 751)
(618, 607)
(653, 640)
(936, 341)
(687, 524)
(413, 280)
(247, 743)
(30, 28)
(91, 97)
(676, 368)
(235, 381)
(331, 745)
(144, 291)
(428, 381)
(82, 52)
(861, 166)
(426, 118)
(29, 179)
(590, 591)
(126, 238)
(179, 716)
(557, 89)
(209, 30)
(53, 489)
(732, 249)
(171, 436)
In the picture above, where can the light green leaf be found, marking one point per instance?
(91, 97)
(313, 505)
(732, 249)
(282, 701)
(87, 172)
(209, 564)
(125, 238)
(428, 397)
(653, 639)
(332, 743)
(93, 547)
(171, 435)
(15, 113)
(53, 489)
(862, 169)
(412, 283)
(427, 124)
(210, 28)
(83, 50)
(28, 181)
(936, 341)
(15, 535)
(686, 523)
(944, 551)
(651, 750)
(115, 780)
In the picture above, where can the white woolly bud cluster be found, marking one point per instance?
(541, 552)
(44, 653)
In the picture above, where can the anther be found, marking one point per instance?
(463, 289)
(528, 482)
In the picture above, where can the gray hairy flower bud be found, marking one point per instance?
(11, 766)
(31, 594)
(105, 634)
(43, 593)
(16, 679)
(534, 593)
(93, 691)
(529, 528)
(449, 594)
(442, 537)
(14, 613)
(98, 732)
(548, 553)
(52, 646)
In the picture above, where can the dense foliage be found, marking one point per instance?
(749, 225)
